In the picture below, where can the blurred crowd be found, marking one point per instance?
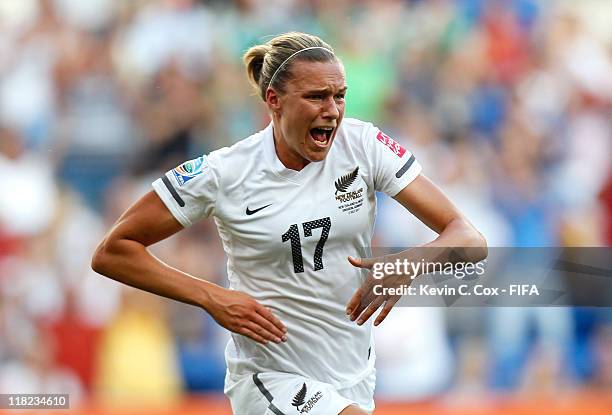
(507, 104)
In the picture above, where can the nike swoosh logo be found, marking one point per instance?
(250, 212)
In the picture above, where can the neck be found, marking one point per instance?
(290, 159)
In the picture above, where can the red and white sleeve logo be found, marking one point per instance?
(393, 145)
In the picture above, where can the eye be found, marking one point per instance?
(315, 96)
(340, 96)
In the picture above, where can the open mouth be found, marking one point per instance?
(321, 135)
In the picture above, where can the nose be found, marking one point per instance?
(330, 109)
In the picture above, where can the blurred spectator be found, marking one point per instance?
(136, 359)
(30, 187)
(96, 135)
(164, 31)
(606, 198)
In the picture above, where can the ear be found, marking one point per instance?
(273, 100)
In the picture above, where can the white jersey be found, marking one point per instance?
(287, 235)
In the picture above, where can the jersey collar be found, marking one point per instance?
(278, 167)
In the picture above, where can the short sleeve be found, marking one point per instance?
(393, 167)
(189, 191)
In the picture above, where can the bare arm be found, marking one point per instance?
(123, 256)
(457, 240)
(427, 202)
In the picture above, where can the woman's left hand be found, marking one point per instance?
(365, 301)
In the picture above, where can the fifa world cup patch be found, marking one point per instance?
(393, 145)
(188, 170)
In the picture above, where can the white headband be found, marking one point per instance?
(291, 56)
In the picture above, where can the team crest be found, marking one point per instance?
(350, 201)
(306, 405)
(188, 170)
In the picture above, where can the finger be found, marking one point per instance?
(386, 309)
(270, 328)
(362, 297)
(261, 331)
(370, 310)
(267, 314)
(364, 302)
(359, 307)
(362, 262)
(367, 297)
(354, 302)
(245, 331)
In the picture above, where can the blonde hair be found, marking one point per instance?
(269, 64)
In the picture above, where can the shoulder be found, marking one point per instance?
(242, 153)
(358, 132)
(243, 149)
(357, 135)
(239, 158)
(371, 139)
(353, 126)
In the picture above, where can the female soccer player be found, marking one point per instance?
(291, 203)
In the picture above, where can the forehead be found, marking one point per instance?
(316, 75)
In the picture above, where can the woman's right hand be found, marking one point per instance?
(123, 256)
(242, 314)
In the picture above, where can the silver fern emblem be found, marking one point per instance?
(298, 399)
(344, 182)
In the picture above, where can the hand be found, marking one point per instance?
(240, 313)
(365, 298)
